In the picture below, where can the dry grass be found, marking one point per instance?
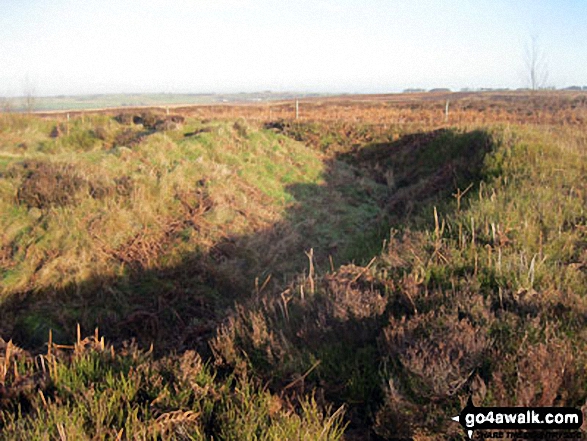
(418, 110)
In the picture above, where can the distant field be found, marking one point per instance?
(230, 272)
(88, 102)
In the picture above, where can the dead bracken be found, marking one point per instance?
(44, 184)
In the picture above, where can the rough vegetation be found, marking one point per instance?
(289, 279)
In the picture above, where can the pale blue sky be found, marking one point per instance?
(196, 46)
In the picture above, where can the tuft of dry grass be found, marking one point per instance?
(89, 390)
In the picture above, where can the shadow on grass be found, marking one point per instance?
(324, 337)
(365, 191)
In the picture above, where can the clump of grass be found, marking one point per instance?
(89, 390)
(319, 334)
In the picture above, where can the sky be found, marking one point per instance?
(70, 47)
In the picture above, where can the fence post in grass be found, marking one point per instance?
(67, 125)
(446, 112)
(297, 108)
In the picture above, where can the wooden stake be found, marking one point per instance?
(311, 269)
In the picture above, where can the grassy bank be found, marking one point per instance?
(151, 232)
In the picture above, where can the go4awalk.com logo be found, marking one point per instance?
(519, 418)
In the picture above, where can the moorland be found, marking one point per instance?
(234, 272)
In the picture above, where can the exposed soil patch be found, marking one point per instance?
(197, 132)
(150, 120)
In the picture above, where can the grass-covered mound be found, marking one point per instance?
(151, 232)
